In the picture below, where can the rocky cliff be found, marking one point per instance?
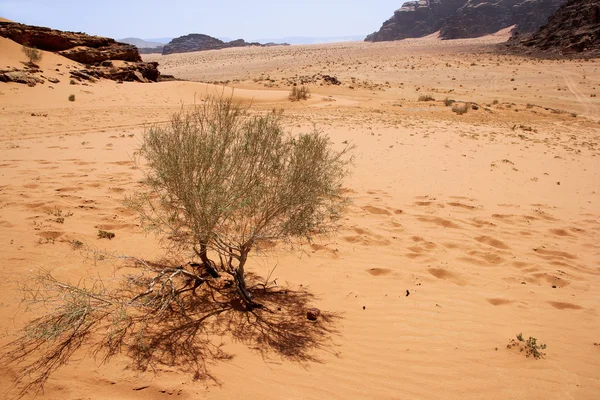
(416, 19)
(94, 51)
(480, 17)
(574, 30)
(199, 42)
(464, 18)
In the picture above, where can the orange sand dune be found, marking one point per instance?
(464, 231)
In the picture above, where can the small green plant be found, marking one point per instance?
(77, 244)
(72, 97)
(105, 234)
(461, 109)
(448, 102)
(59, 216)
(529, 346)
(426, 97)
(299, 93)
(34, 55)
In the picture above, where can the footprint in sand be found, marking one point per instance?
(461, 205)
(379, 271)
(560, 232)
(439, 221)
(554, 254)
(564, 306)
(446, 275)
(376, 210)
(499, 302)
(492, 242)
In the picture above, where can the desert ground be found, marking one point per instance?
(489, 220)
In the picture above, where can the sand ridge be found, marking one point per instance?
(464, 230)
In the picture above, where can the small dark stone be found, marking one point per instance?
(313, 314)
(364, 307)
(407, 293)
(554, 287)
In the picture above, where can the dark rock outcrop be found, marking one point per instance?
(72, 45)
(464, 18)
(18, 76)
(574, 30)
(480, 17)
(200, 42)
(416, 19)
(94, 51)
(138, 72)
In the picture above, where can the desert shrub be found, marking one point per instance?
(221, 180)
(426, 97)
(33, 55)
(448, 102)
(72, 97)
(218, 183)
(299, 93)
(529, 346)
(105, 234)
(461, 109)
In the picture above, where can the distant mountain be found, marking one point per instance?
(141, 43)
(312, 40)
(199, 42)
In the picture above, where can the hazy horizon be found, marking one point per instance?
(235, 18)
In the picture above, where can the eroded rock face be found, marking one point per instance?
(574, 30)
(464, 18)
(200, 42)
(94, 51)
(19, 76)
(73, 45)
(480, 17)
(416, 19)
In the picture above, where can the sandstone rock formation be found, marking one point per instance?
(85, 49)
(464, 18)
(200, 42)
(416, 19)
(574, 30)
(480, 17)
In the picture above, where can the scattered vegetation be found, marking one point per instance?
(72, 97)
(105, 234)
(33, 55)
(76, 244)
(219, 184)
(299, 93)
(426, 97)
(529, 346)
(59, 215)
(448, 102)
(461, 109)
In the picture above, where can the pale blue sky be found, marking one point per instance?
(230, 18)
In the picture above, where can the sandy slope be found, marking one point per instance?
(491, 220)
